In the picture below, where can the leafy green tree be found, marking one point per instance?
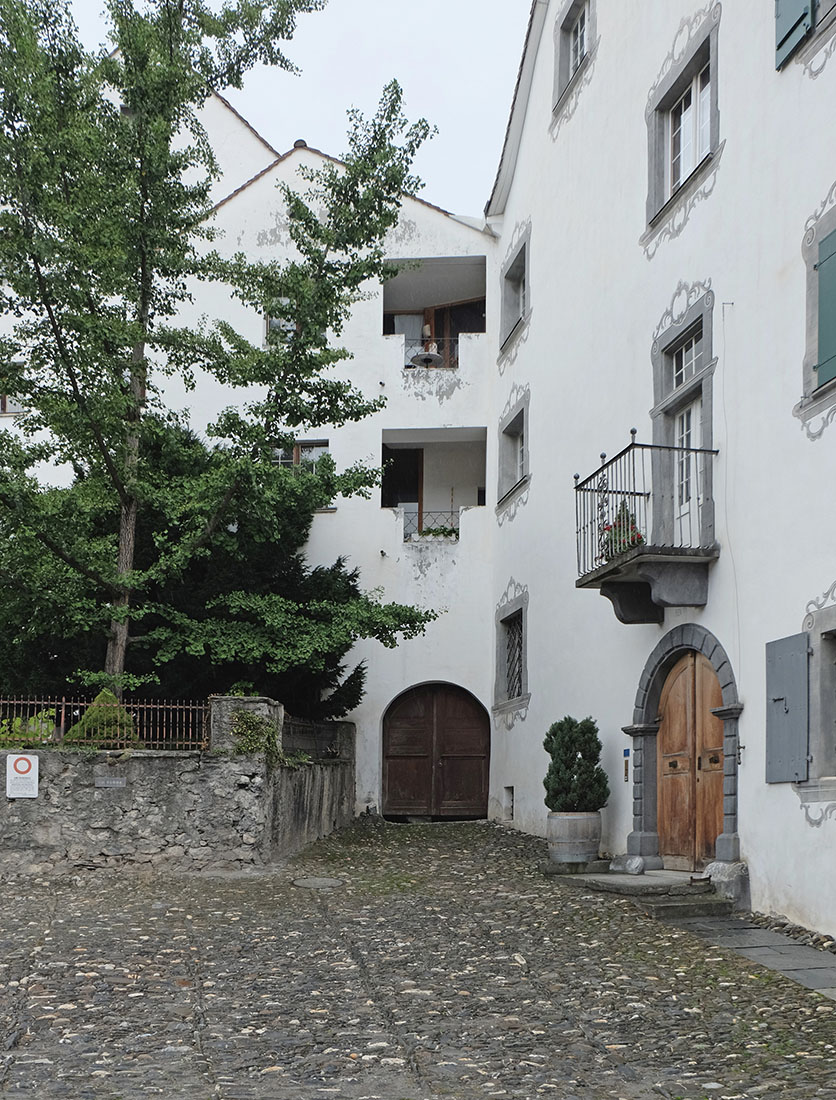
(105, 175)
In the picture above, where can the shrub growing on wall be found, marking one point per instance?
(104, 725)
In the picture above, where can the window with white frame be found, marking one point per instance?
(683, 370)
(9, 406)
(577, 41)
(574, 38)
(683, 120)
(690, 129)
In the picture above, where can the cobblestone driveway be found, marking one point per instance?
(447, 965)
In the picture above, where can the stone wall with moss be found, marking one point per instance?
(183, 810)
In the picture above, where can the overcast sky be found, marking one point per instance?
(457, 61)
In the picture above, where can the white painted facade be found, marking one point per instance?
(602, 283)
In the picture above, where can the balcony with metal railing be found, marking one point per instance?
(645, 529)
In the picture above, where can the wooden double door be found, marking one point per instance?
(436, 754)
(689, 755)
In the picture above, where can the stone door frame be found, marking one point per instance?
(644, 839)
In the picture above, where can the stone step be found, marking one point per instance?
(679, 906)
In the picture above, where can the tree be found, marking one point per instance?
(104, 235)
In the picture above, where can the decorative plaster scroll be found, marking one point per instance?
(677, 218)
(824, 813)
(510, 507)
(818, 52)
(811, 225)
(508, 716)
(569, 100)
(685, 295)
(807, 416)
(818, 603)
(513, 591)
(518, 337)
(688, 30)
(517, 395)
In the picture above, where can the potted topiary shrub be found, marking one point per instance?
(576, 789)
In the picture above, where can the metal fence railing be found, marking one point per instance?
(647, 495)
(430, 523)
(147, 723)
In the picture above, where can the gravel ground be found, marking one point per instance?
(446, 965)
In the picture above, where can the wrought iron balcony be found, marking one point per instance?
(430, 523)
(645, 529)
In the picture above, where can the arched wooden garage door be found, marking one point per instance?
(436, 754)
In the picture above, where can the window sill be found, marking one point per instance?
(684, 394)
(513, 335)
(570, 85)
(508, 706)
(820, 403)
(324, 511)
(685, 189)
(513, 492)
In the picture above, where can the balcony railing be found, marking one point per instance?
(430, 523)
(648, 496)
(432, 353)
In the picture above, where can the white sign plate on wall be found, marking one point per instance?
(21, 776)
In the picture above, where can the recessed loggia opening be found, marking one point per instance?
(431, 304)
(430, 475)
(645, 528)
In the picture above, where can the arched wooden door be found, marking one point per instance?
(689, 765)
(436, 754)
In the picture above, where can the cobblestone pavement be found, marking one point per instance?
(446, 966)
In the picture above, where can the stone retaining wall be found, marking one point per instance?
(200, 811)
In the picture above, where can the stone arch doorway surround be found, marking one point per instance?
(688, 638)
(436, 753)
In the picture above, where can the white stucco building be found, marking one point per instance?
(650, 304)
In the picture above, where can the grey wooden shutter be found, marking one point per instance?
(787, 709)
(793, 22)
(826, 267)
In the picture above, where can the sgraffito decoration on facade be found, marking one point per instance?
(685, 296)
(569, 101)
(507, 714)
(510, 350)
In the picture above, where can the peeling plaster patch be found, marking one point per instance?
(432, 558)
(276, 236)
(406, 230)
(439, 383)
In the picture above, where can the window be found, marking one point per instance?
(511, 685)
(690, 129)
(304, 454)
(512, 634)
(513, 449)
(577, 41)
(819, 368)
(574, 43)
(683, 119)
(799, 21)
(515, 294)
(9, 406)
(683, 370)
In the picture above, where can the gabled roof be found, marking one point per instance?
(301, 146)
(249, 125)
(519, 106)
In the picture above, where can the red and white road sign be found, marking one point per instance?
(21, 775)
